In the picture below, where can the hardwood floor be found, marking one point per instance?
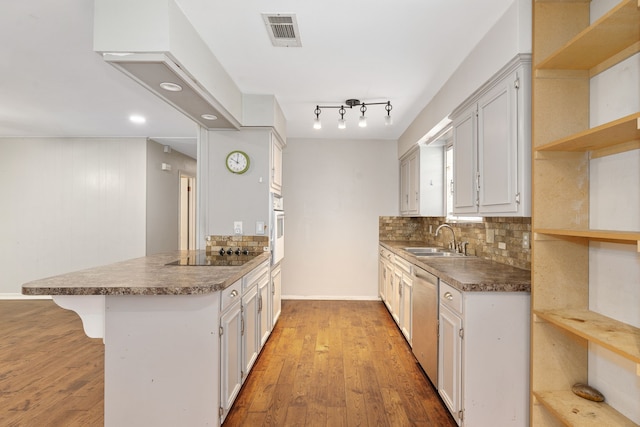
(327, 363)
(337, 363)
(51, 373)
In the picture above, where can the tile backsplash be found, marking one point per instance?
(255, 244)
(485, 238)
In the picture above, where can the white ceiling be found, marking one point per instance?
(53, 84)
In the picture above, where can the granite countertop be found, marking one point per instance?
(145, 276)
(467, 274)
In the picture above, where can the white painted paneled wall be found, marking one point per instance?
(69, 204)
(334, 191)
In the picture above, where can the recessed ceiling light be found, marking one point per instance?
(137, 119)
(171, 87)
(209, 117)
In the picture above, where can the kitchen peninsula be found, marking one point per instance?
(161, 326)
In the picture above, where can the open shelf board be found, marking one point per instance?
(611, 334)
(607, 135)
(576, 411)
(612, 33)
(629, 237)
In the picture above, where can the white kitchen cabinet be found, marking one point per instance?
(230, 347)
(422, 181)
(385, 272)
(491, 146)
(264, 313)
(250, 329)
(276, 294)
(276, 164)
(406, 303)
(483, 356)
(409, 183)
(450, 359)
(241, 332)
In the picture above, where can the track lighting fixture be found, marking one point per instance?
(351, 103)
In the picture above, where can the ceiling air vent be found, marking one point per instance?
(283, 30)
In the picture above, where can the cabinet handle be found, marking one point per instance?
(233, 293)
(448, 296)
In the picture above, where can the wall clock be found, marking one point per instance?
(237, 162)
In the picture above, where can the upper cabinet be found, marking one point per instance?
(276, 164)
(422, 180)
(491, 145)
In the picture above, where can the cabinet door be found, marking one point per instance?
(250, 330)
(264, 317)
(404, 186)
(465, 162)
(498, 148)
(414, 183)
(395, 295)
(388, 284)
(450, 361)
(276, 165)
(406, 310)
(230, 357)
(381, 276)
(276, 289)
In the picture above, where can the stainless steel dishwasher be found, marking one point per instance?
(425, 322)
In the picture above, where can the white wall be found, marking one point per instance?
(69, 204)
(162, 194)
(334, 191)
(614, 196)
(231, 197)
(509, 36)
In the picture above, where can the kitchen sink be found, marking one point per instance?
(423, 250)
(431, 252)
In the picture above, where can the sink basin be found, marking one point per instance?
(423, 250)
(431, 252)
(440, 254)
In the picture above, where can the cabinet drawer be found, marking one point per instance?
(251, 278)
(231, 295)
(450, 297)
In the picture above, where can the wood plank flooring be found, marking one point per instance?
(51, 373)
(327, 363)
(337, 363)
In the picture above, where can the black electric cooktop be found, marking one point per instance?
(213, 260)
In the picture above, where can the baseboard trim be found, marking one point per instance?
(15, 296)
(331, 297)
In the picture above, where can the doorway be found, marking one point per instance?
(187, 212)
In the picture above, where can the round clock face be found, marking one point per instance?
(237, 162)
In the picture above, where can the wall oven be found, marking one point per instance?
(277, 229)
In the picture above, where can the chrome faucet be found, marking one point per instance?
(455, 246)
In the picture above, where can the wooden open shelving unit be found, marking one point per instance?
(568, 50)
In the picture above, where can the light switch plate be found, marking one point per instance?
(237, 227)
(259, 227)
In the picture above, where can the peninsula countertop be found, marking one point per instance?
(149, 275)
(467, 274)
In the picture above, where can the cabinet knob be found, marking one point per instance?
(448, 296)
(233, 293)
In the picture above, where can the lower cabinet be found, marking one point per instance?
(395, 287)
(483, 356)
(230, 347)
(243, 330)
(276, 293)
(265, 321)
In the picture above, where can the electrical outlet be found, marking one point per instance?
(237, 227)
(525, 240)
